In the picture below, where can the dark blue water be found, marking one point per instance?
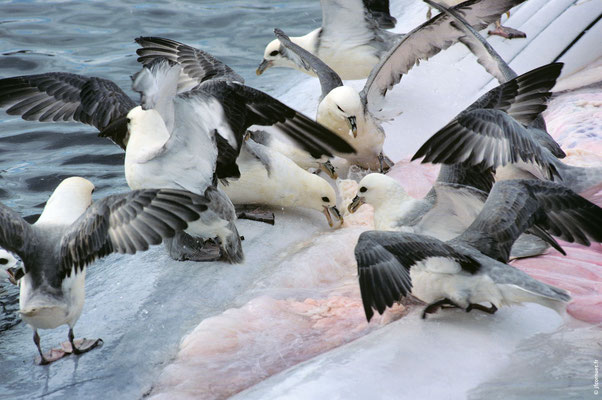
(96, 38)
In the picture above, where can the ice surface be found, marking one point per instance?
(296, 297)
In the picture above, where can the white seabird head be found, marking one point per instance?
(68, 202)
(376, 189)
(320, 196)
(273, 57)
(344, 102)
(8, 267)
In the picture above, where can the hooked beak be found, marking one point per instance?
(352, 125)
(335, 211)
(328, 168)
(14, 275)
(355, 204)
(265, 64)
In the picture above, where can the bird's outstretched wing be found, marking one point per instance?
(61, 96)
(423, 42)
(488, 137)
(514, 206)
(127, 223)
(384, 260)
(198, 66)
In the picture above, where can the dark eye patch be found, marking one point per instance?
(340, 108)
(363, 189)
(274, 53)
(326, 199)
(3, 261)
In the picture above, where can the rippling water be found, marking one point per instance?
(96, 38)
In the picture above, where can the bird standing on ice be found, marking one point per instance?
(471, 269)
(71, 233)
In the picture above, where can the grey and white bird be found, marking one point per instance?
(353, 115)
(446, 211)
(500, 104)
(186, 140)
(350, 40)
(269, 178)
(351, 43)
(493, 131)
(472, 268)
(71, 233)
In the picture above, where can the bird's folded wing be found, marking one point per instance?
(384, 260)
(127, 223)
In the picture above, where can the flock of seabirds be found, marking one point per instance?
(502, 191)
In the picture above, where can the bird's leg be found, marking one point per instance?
(53, 355)
(328, 169)
(36, 340)
(506, 32)
(84, 345)
(385, 163)
(434, 307)
(476, 306)
(256, 214)
(184, 247)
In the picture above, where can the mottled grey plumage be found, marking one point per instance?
(386, 259)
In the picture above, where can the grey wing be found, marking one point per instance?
(61, 96)
(380, 12)
(425, 41)
(198, 66)
(16, 234)
(304, 59)
(524, 97)
(384, 260)
(349, 19)
(488, 137)
(245, 106)
(514, 206)
(127, 223)
(486, 55)
(477, 176)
